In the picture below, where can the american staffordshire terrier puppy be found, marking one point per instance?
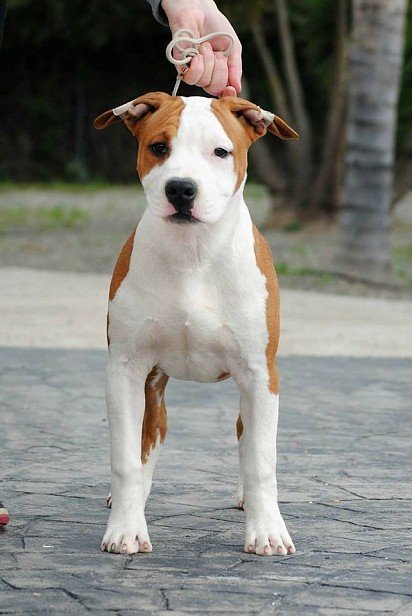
(194, 296)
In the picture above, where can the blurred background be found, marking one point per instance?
(336, 206)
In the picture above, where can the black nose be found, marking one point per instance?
(181, 192)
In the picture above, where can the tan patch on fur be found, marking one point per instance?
(161, 125)
(122, 265)
(119, 273)
(239, 427)
(265, 264)
(239, 132)
(243, 123)
(155, 416)
(223, 376)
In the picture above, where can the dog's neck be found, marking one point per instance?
(193, 245)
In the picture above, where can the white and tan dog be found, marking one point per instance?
(194, 295)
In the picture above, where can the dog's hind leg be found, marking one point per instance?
(154, 424)
(239, 431)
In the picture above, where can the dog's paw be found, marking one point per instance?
(126, 535)
(109, 500)
(268, 536)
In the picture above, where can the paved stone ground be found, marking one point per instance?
(344, 434)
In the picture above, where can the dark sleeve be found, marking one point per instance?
(158, 12)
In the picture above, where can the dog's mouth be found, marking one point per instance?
(183, 217)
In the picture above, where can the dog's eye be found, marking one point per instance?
(159, 148)
(221, 152)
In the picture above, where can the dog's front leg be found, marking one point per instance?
(126, 531)
(266, 532)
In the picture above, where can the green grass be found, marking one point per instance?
(293, 227)
(69, 187)
(255, 191)
(12, 218)
(60, 217)
(43, 219)
(402, 253)
(283, 269)
(300, 250)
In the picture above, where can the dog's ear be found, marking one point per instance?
(257, 121)
(132, 112)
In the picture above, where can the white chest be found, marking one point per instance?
(193, 339)
(194, 319)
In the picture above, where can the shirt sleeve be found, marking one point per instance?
(158, 12)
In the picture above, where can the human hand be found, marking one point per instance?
(210, 69)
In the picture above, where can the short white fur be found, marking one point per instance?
(194, 304)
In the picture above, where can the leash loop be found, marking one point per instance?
(191, 50)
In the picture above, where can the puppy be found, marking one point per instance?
(194, 296)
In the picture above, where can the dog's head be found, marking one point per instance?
(192, 154)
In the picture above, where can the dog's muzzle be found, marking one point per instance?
(181, 192)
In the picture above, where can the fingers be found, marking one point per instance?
(209, 70)
(208, 64)
(234, 63)
(219, 76)
(201, 67)
(195, 72)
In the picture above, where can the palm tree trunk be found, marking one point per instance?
(374, 75)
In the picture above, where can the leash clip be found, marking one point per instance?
(192, 49)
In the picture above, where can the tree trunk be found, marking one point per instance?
(279, 101)
(277, 90)
(330, 160)
(375, 63)
(299, 112)
(263, 160)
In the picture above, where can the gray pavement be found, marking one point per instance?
(344, 481)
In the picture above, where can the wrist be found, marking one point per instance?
(174, 8)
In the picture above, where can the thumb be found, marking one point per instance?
(228, 91)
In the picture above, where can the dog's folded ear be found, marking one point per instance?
(132, 112)
(257, 121)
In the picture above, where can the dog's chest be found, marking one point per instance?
(191, 331)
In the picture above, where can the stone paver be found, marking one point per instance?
(344, 481)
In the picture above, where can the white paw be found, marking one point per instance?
(109, 500)
(126, 532)
(267, 535)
